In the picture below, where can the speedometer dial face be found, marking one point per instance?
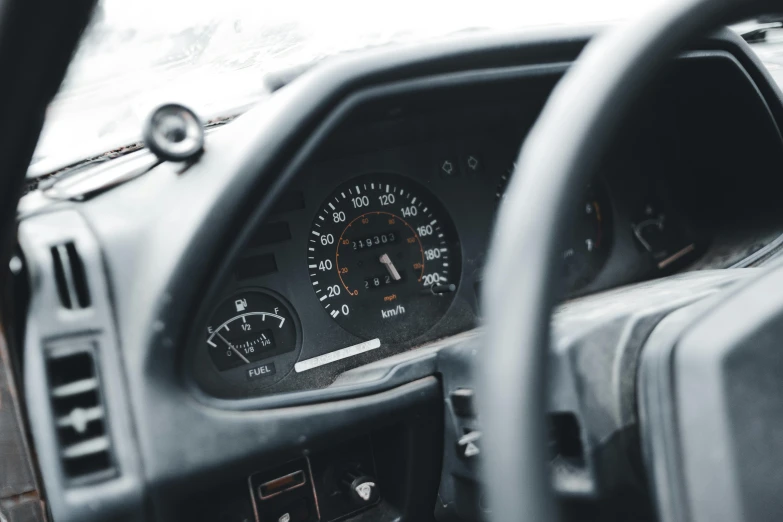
(383, 257)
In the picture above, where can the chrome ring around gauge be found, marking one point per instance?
(384, 258)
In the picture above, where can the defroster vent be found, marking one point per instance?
(79, 414)
(70, 277)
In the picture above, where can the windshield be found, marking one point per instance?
(213, 56)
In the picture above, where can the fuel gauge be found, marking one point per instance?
(664, 237)
(249, 327)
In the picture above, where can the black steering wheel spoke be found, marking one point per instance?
(592, 401)
(711, 395)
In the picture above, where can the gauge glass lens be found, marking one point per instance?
(249, 327)
(383, 258)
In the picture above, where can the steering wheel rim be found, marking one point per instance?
(561, 151)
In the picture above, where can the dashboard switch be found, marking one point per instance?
(462, 402)
(297, 511)
(361, 488)
(467, 445)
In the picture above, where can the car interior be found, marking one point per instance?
(513, 275)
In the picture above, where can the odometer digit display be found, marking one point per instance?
(384, 258)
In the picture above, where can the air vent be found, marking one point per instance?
(70, 277)
(565, 439)
(80, 419)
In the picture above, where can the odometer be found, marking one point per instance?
(384, 258)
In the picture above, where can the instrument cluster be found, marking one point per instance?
(370, 255)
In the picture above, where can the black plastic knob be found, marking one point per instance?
(361, 488)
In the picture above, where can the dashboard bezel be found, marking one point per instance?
(322, 173)
(335, 160)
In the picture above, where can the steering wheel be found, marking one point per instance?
(711, 407)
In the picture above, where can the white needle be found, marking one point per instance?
(234, 349)
(390, 267)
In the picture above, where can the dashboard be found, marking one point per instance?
(309, 289)
(378, 244)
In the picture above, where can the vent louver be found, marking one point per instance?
(70, 277)
(80, 420)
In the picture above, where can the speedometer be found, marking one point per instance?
(383, 258)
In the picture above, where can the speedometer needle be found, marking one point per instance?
(233, 349)
(386, 260)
